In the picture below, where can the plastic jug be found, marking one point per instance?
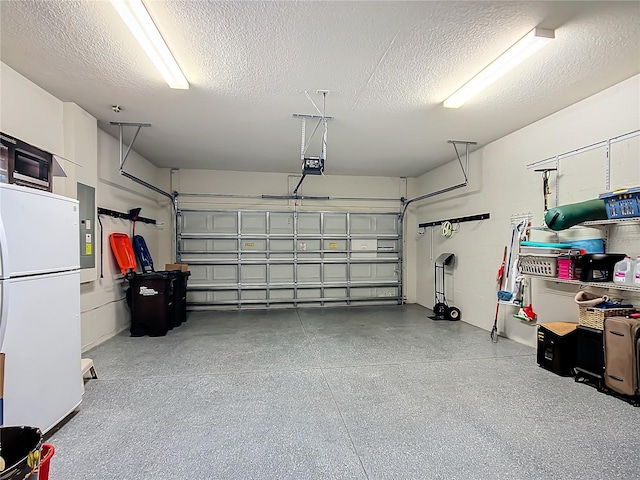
(623, 271)
(636, 280)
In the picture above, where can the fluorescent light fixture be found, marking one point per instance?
(137, 18)
(518, 53)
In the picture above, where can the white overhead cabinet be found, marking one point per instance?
(257, 258)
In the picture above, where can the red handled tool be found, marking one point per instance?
(499, 278)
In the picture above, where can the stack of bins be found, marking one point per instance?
(177, 272)
(150, 294)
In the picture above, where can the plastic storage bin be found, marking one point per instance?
(622, 203)
(539, 265)
(568, 268)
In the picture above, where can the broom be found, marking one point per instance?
(500, 277)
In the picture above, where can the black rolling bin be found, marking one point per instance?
(589, 366)
(179, 296)
(151, 299)
(557, 347)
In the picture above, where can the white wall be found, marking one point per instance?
(255, 184)
(90, 156)
(501, 184)
(104, 309)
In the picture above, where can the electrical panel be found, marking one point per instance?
(87, 201)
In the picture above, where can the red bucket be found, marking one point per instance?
(45, 458)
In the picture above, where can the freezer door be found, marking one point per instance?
(38, 232)
(42, 383)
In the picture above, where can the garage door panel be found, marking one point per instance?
(309, 293)
(224, 274)
(253, 273)
(199, 274)
(196, 222)
(218, 249)
(376, 224)
(281, 294)
(309, 273)
(280, 223)
(335, 293)
(335, 224)
(279, 245)
(308, 248)
(374, 272)
(281, 274)
(374, 292)
(254, 222)
(309, 223)
(335, 272)
(253, 295)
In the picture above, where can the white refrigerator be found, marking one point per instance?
(40, 306)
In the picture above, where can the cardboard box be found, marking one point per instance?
(183, 267)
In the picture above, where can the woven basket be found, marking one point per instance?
(594, 317)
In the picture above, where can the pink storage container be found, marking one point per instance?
(568, 268)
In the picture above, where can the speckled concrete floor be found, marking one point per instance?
(378, 393)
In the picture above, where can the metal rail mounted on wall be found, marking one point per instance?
(604, 143)
(123, 158)
(465, 173)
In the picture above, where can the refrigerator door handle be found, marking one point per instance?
(4, 254)
(4, 310)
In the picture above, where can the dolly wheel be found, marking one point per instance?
(453, 313)
(440, 309)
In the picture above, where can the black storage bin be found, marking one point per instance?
(557, 347)
(590, 354)
(179, 311)
(151, 298)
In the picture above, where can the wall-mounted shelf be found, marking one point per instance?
(607, 285)
(618, 221)
(510, 304)
(531, 324)
(594, 223)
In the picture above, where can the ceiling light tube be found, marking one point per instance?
(519, 52)
(137, 18)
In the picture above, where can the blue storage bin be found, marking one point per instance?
(622, 203)
(592, 245)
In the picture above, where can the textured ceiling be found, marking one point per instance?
(389, 65)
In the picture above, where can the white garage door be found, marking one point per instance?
(243, 259)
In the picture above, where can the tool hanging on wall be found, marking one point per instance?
(499, 278)
(133, 215)
(447, 229)
(546, 190)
